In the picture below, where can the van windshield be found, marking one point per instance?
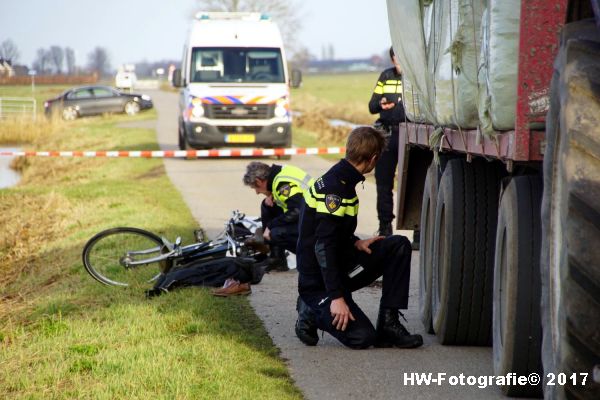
(236, 64)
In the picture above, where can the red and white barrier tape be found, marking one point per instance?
(180, 153)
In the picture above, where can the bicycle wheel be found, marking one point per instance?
(108, 255)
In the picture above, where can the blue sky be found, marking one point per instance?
(134, 30)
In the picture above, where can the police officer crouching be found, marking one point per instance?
(283, 187)
(332, 262)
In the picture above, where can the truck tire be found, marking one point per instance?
(571, 217)
(517, 329)
(426, 242)
(463, 252)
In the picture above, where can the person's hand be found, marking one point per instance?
(363, 245)
(341, 314)
(269, 200)
(386, 105)
(267, 234)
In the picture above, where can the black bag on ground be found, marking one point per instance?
(211, 273)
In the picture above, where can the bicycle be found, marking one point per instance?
(122, 256)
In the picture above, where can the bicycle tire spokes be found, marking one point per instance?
(117, 257)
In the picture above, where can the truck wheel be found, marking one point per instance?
(463, 252)
(426, 253)
(517, 328)
(571, 217)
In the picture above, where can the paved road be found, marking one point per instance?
(212, 188)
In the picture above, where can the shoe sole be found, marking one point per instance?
(232, 294)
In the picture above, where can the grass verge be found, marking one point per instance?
(332, 96)
(64, 336)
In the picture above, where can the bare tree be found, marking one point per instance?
(301, 59)
(9, 51)
(70, 59)
(98, 61)
(287, 14)
(42, 61)
(57, 57)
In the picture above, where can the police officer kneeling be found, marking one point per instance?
(333, 262)
(283, 188)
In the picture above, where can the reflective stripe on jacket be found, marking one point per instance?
(289, 182)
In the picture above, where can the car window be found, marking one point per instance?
(80, 94)
(103, 92)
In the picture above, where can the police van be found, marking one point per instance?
(234, 82)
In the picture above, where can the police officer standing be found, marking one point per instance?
(387, 101)
(283, 188)
(332, 262)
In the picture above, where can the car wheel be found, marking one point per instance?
(69, 114)
(132, 108)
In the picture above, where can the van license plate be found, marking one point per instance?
(240, 138)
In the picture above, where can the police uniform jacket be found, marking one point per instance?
(287, 183)
(389, 85)
(327, 224)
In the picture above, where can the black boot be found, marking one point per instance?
(391, 333)
(306, 327)
(385, 229)
(277, 260)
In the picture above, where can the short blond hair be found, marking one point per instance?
(363, 143)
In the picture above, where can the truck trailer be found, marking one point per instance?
(499, 168)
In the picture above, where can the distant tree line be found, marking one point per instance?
(58, 60)
(9, 51)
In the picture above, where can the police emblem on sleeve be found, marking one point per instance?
(332, 202)
(285, 190)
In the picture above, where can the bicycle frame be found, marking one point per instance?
(222, 244)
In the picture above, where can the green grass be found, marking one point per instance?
(65, 336)
(325, 97)
(343, 96)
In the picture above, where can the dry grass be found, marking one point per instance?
(318, 123)
(24, 234)
(326, 97)
(20, 130)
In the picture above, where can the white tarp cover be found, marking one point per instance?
(457, 25)
(499, 65)
(437, 43)
(408, 40)
(412, 101)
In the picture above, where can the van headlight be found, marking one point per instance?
(282, 107)
(196, 108)
(198, 111)
(145, 97)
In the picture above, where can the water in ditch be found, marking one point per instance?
(8, 176)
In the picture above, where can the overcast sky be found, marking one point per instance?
(136, 30)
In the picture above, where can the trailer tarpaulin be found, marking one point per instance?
(437, 43)
(408, 39)
(499, 65)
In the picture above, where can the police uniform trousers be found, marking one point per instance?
(286, 235)
(390, 258)
(385, 170)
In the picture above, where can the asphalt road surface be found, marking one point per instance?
(212, 188)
